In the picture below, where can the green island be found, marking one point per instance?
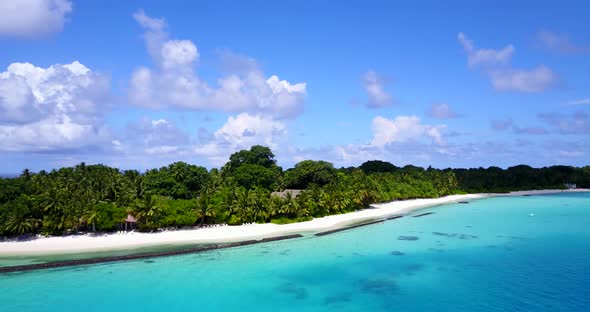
(249, 188)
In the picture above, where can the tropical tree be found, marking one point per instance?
(148, 212)
(205, 208)
(310, 172)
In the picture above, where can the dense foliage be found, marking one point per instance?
(522, 177)
(246, 189)
(310, 172)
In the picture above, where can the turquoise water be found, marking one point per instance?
(488, 255)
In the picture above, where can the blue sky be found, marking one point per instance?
(140, 84)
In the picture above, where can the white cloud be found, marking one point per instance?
(178, 53)
(496, 65)
(154, 24)
(32, 18)
(441, 111)
(401, 140)
(246, 130)
(16, 101)
(374, 84)
(485, 56)
(160, 135)
(174, 82)
(48, 109)
(51, 134)
(559, 43)
(403, 128)
(241, 132)
(534, 80)
(479, 152)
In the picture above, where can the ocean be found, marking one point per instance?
(525, 253)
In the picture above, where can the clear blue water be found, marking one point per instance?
(488, 255)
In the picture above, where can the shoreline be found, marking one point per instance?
(223, 234)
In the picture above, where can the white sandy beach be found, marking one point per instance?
(220, 234)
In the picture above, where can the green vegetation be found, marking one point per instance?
(310, 172)
(522, 177)
(99, 198)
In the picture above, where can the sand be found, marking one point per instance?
(223, 233)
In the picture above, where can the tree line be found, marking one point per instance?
(246, 189)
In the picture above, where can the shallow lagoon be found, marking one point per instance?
(499, 254)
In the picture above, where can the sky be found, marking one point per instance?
(142, 84)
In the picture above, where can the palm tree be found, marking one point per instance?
(240, 204)
(364, 198)
(293, 208)
(228, 195)
(257, 199)
(204, 208)
(114, 188)
(177, 172)
(276, 207)
(148, 211)
(22, 217)
(54, 202)
(26, 174)
(90, 217)
(139, 186)
(19, 225)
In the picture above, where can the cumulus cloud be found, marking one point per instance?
(559, 43)
(174, 82)
(246, 130)
(48, 109)
(374, 84)
(32, 18)
(441, 111)
(159, 136)
(496, 65)
(402, 140)
(241, 132)
(404, 128)
(399, 153)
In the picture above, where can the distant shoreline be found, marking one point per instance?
(74, 244)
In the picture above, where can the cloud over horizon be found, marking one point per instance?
(241, 132)
(111, 84)
(49, 109)
(576, 123)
